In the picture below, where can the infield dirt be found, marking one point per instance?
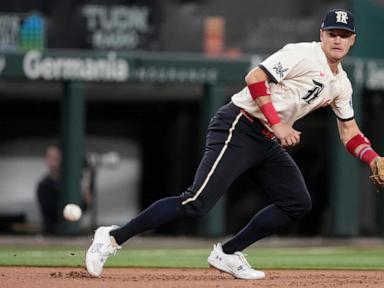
(36, 277)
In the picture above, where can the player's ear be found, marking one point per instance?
(353, 39)
(321, 35)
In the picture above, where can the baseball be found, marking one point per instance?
(72, 212)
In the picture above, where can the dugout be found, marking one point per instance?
(179, 93)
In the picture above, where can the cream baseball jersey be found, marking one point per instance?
(301, 82)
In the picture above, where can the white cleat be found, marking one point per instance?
(100, 249)
(234, 264)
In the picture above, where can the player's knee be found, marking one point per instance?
(196, 208)
(298, 209)
(302, 208)
(306, 206)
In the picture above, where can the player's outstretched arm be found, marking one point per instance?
(360, 147)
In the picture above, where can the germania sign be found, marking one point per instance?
(108, 68)
(111, 67)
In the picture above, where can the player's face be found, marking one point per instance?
(53, 159)
(336, 43)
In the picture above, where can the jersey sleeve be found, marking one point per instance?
(282, 63)
(342, 105)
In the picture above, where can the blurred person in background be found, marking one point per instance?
(49, 191)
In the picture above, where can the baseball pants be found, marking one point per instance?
(236, 142)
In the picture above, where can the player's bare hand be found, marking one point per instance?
(287, 136)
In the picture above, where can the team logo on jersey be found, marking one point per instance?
(313, 93)
(279, 69)
(341, 17)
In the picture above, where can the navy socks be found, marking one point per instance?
(264, 223)
(158, 213)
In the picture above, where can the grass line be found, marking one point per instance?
(263, 258)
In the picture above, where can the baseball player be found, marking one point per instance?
(250, 134)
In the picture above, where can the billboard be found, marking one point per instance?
(22, 31)
(112, 25)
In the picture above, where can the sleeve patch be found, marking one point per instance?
(279, 69)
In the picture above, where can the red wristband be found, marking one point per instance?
(259, 89)
(355, 142)
(270, 113)
(367, 154)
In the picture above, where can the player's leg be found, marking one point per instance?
(283, 182)
(224, 159)
(246, 149)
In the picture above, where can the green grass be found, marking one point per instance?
(263, 258)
